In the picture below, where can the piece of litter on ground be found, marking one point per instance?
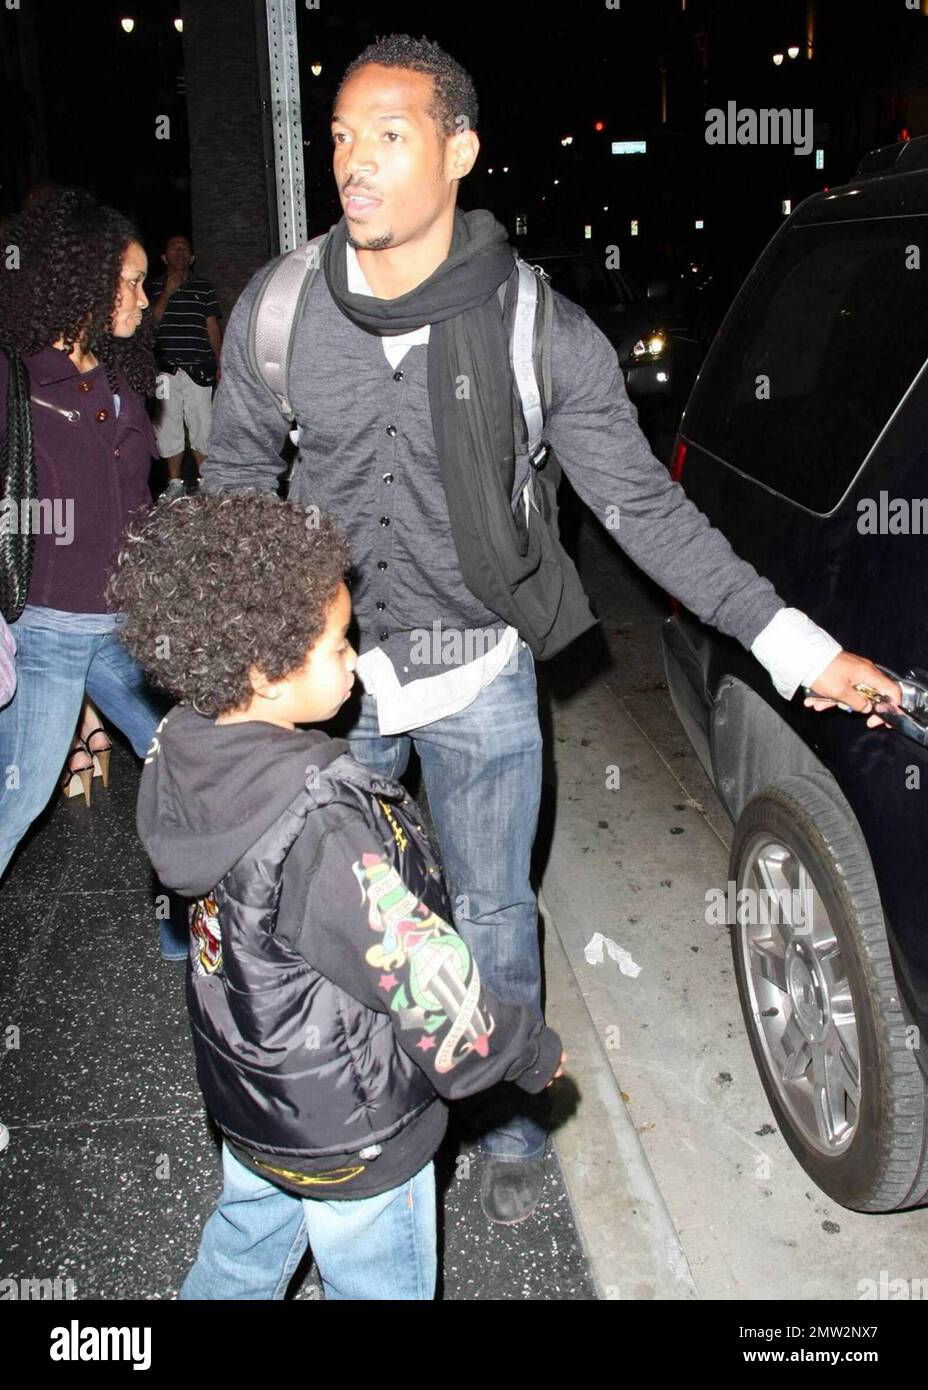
(593, 953)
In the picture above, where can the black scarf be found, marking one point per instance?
(515, 570)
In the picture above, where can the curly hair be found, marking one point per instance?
(454, 94)
(213, 586)
(67, 282)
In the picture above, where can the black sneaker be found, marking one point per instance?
(510, 1188)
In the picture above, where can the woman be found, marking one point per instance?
(72, 312)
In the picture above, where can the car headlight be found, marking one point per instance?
(651, 347)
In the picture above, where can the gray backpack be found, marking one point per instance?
(280, 304)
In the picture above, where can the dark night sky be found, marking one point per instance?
(542, 71)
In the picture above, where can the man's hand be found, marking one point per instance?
(836, 686)
(173, 280)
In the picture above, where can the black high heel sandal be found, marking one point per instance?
(101, 756)
(75, 780)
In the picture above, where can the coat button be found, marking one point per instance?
(115, 453)
(385, 521)
(380, 605)
(398, 376)
(391, 431)
(388, 477)
(103, 415)
(381, 564)
(383, 634)
(85, 386)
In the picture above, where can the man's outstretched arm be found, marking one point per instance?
(248, 431)
(593, 430)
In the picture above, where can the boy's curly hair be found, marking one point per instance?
(213, 586)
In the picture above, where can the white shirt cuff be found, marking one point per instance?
(794, 650)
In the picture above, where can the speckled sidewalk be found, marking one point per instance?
(112, 1167)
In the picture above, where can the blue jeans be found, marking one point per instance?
(482, 773)
(370, 1248)
(53, 669)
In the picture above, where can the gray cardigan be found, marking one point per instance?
(367, 458)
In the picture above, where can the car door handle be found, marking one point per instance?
(911, 716)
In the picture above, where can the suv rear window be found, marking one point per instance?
(839, 325)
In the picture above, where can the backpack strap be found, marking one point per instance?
(523, 361)
(530, 356)
(530, 352)
(274, 314)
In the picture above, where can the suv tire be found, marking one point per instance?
(820, 999)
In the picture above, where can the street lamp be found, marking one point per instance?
(793, 50)
(778, 58)
(128, 25)
(315, 69)
(179, 25)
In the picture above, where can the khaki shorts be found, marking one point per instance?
(181, 402)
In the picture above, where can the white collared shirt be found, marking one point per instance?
(403, 707)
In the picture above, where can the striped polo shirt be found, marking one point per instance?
(181, 335)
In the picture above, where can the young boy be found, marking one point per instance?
(333, 1007)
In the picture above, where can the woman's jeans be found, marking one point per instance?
(53, 670)
(369, 1248)
(482, 774)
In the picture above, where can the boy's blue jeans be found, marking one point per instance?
(482, 773)
(370, 1248)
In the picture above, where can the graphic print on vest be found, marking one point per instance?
(207, 936)
(439, 964)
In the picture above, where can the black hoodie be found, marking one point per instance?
(329, 914)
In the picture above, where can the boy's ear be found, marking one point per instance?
(268, 690)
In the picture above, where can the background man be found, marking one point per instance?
(188, 340)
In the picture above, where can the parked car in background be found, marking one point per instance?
(644, 325)
(804, 441)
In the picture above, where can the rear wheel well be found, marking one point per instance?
(752, 747)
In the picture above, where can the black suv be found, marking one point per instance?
(804, 441)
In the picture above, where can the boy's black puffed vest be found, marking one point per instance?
(288, 1063)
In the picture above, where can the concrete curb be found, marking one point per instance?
(622, 1218)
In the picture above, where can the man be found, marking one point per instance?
(188, 339)
(409, 277)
